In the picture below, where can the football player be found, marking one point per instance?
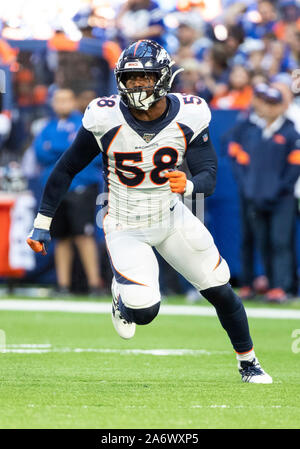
(144, 133)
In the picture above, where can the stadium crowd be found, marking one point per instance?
(237, 55)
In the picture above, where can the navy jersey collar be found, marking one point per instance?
(155, 126)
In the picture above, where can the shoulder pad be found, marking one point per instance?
(194, 113)
(101, 114)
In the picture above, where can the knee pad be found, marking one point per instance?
(217, 276)
(139, 297)
(140, 316)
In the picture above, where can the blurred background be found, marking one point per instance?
(55, 56)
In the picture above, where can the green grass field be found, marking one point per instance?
(71, 370)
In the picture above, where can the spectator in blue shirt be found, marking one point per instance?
(141, 19)
(75, 217)
(267, 22)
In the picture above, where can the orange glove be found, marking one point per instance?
(177, 181)
(37, 247)
(38, 240)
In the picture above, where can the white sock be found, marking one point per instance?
(249, 356)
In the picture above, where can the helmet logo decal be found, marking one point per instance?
(162, 55)
(134, 64)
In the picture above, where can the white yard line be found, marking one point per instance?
(237, 406)
(30, 346)
(40, 349)
(28, 305)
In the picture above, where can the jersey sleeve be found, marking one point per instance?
(101, 115)
(202, 163)
(194, 114)
(89, 121)
(203, 118)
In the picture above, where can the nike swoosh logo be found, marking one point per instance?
(172, 208)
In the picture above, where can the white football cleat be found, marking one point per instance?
(252, 372)
(126, 329)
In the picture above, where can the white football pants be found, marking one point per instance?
(184, 243)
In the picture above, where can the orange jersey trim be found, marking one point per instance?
(112, 140)
(185, 142)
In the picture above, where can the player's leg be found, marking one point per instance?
(82, 212)
(63, 251)
(247, 251)
(135, 287)
(260, 224)
(282, 231)
(63, 256)
(88, 252)
(190, 249)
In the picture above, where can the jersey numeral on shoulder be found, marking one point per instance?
(106, 102)
(163, 159)
(191, 99)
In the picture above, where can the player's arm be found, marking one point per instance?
(202, 162)
(81, 152)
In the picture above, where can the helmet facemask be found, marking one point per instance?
(138, 97)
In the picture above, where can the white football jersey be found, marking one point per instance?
(137, 154)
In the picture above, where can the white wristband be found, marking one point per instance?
(189, 188)
(42, 222)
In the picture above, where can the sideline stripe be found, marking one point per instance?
(28, 305)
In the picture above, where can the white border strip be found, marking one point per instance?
(28, 305)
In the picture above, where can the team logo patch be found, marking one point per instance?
(148, 137)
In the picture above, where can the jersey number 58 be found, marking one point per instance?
(164, 158)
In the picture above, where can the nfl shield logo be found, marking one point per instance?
(147, 137)
(205, 137)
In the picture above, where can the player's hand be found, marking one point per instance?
(38, 240)
(177, 181)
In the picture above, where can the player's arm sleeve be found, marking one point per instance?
(81, 152)
(202, 162)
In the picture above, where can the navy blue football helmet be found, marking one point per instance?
(148, 57)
